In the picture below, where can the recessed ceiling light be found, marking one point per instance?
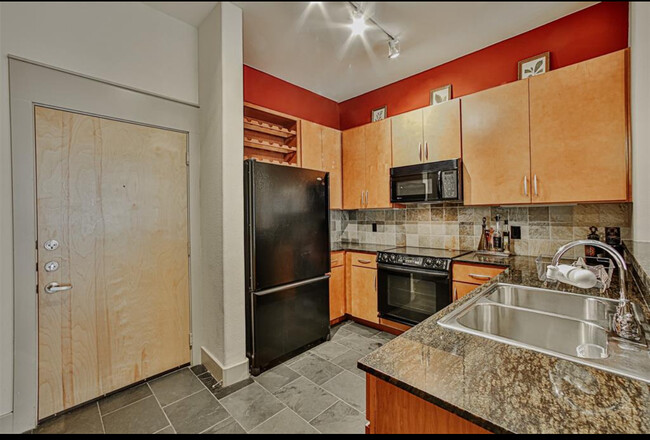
(359, 24)
(393, 48)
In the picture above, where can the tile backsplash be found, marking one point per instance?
(543, 229)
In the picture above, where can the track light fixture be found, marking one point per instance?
(360, 24)
(393, 48)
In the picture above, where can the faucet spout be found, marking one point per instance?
(625, 324)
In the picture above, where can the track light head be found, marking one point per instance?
(393, 48)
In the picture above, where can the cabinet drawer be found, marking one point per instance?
(475, 273)
(337, 259)
(364, 260)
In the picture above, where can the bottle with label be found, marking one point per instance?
(482, 244)
(591, 252)
(506, 236)
(497, 239)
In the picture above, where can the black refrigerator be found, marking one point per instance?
(287, 261)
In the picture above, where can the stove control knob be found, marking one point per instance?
(392, 258)
(428, 262)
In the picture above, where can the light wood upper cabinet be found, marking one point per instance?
(496, 153)
(579, 132)
(378, 163)
(354, 167)
(366, 166)
(363, 293)
(322, 151)
(332, 158)
(407, 138)
(441, 131)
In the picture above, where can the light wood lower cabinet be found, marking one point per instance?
(337, 286)
(460, 289)
(363, 294)
(391, 410)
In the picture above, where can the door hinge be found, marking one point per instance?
(37, 289)
(191, 340)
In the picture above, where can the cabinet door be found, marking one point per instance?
(459, 289)
(354, 167)
(579, 132)
(408, 146)
(441, 128)
(311, 146)
(331, 141)
(496, 154)
(363, 294)
(378, 163)
(337, 293)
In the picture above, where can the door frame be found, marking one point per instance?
(32, 84)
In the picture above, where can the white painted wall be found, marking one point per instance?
(222, 192)
(640, 62)
(125, 43)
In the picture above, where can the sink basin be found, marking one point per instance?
(582, 307)
(565, 325)
(562, 335)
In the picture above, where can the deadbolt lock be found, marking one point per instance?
(51, 266)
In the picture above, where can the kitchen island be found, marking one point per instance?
(432, 379)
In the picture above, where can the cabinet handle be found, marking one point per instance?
(364, 261)
(480, 277)
(366, 198)
(535, 185)
(426, 150)
(420, 151)
(455, 298)
(525, 185)
(362, 198)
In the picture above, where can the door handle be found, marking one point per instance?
(426, 150)
(535, 185)
(420, 151)
(480, 277)
(525, 185)
(56, 287)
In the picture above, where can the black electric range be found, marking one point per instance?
(414, 283)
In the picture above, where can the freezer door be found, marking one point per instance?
(288, 224)
(286, 319)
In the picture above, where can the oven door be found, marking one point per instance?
(410, 295)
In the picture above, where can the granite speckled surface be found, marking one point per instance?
(638, 254)
(356, 247)
(507, 389)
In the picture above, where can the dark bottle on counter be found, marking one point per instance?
(506, 236)
(497, 239)
(591, 252)
(482, 244)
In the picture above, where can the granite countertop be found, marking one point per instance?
(638, 253)
(507, 389)
(360, 247)
(478, 258)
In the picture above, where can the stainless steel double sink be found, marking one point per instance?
(566, 325)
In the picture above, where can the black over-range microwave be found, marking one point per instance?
(433, 182)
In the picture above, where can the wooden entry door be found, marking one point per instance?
(114, 197)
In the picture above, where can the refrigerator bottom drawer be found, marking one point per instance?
(288, 318)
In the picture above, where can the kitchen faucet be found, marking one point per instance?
(625, 324)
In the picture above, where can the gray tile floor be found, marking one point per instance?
(319, 391)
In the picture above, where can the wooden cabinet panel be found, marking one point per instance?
(354, 167)
(363, 293)
(331, 145)
(363, 260)
(496, 154)
(475, 273)
(407, 139)
(579, 131)
(337, 293)
(311, 149)
(391, 410)
(378, 163)
(441, 128)
(461, 289)
(337, 259)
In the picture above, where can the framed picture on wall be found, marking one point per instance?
(440, 95)
(378, 114)
(536, 65)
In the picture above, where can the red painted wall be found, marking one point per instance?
(268, 91)
(592, 32)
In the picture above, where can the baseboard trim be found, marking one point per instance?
(383, 328)
(227, 375)
(7, 424)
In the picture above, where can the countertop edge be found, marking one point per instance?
(495, 429)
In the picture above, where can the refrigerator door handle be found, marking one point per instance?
(290, 286)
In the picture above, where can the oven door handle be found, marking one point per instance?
(433, 273)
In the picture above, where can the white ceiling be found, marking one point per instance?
(309, 43)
